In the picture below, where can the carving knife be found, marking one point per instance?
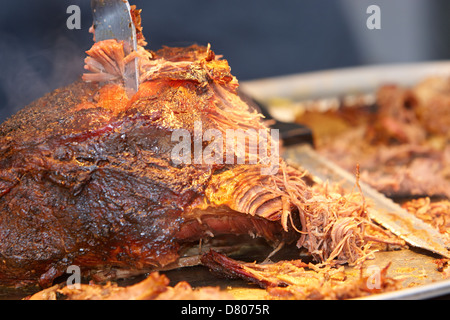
(298, 143)
(112, 20)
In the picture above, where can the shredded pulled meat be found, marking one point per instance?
(297, 280)
(332, 224)
(332, 290)
(154, 287)
(337, 229)
(435, 213)
(279, 274)
(107, 60)
(402, 146)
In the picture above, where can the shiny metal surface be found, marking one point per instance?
(112, 20)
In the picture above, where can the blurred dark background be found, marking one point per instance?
(259, 38)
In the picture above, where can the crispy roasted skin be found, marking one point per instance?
(86, 176)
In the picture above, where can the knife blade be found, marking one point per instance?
(298, 142)
(384, 211)
(113, 20)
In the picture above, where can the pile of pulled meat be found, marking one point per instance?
(435, 213)
(154, 287)
(283, 280)
(401, 143)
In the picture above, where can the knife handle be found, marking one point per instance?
(294, 133)
(290, 133)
